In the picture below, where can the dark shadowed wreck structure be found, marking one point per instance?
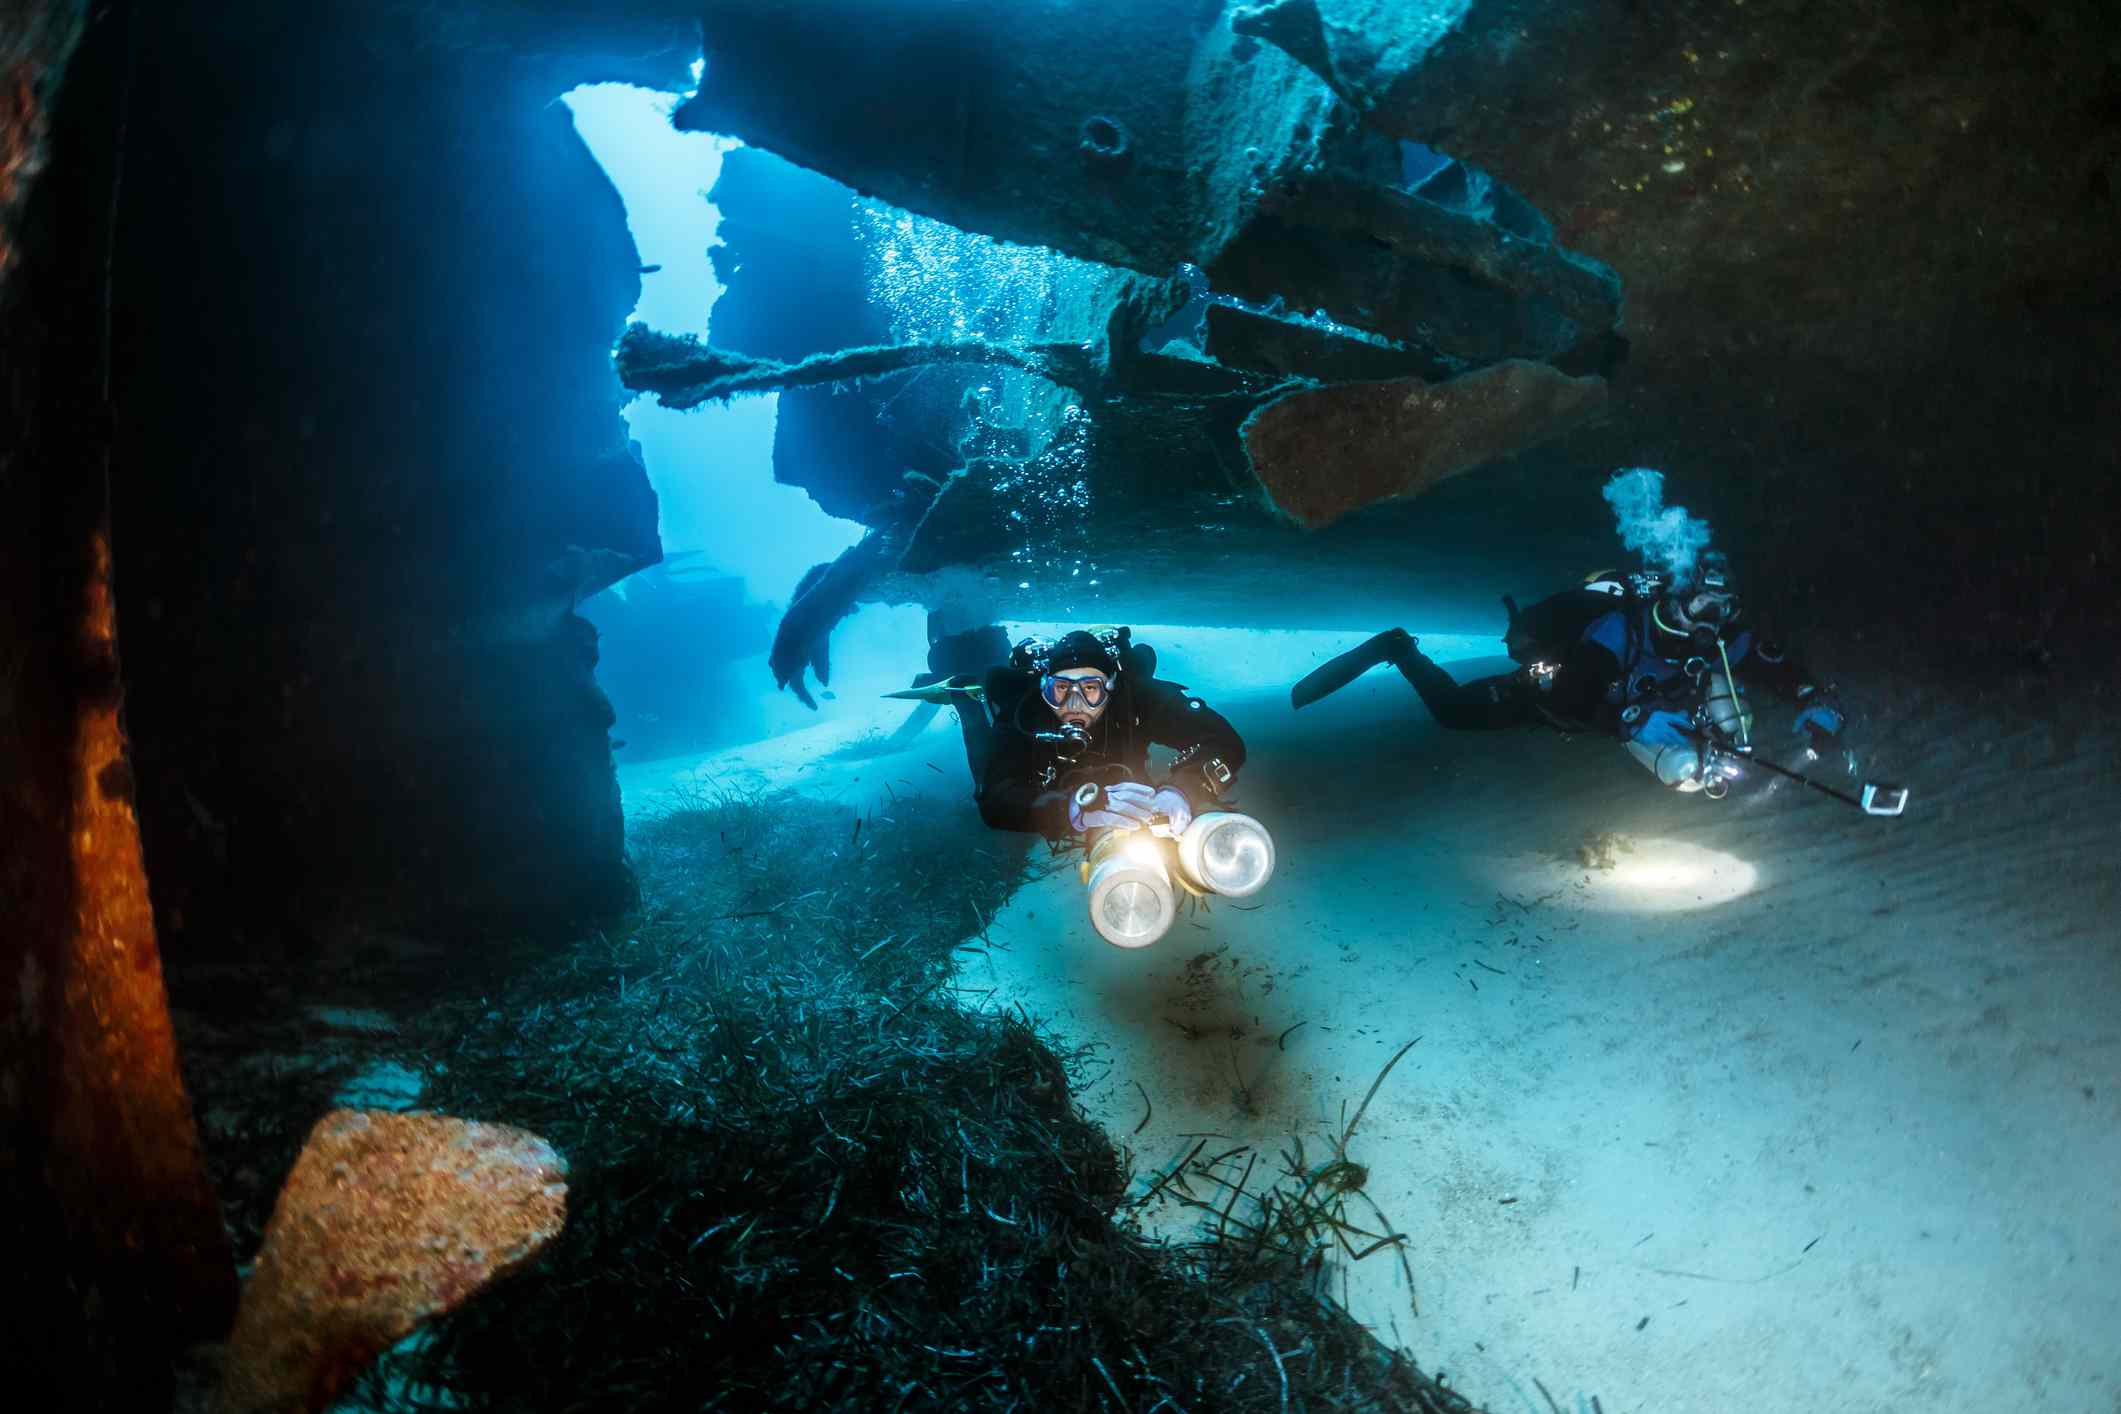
(312, 438)
(1658, 198)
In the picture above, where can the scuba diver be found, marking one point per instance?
(1656, 662)
(1072, 720)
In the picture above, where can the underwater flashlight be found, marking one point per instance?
(1133, 894)
(1226, 853)
(1132, 901)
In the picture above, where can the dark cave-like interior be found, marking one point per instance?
(314, 350)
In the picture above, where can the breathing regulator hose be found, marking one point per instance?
(1745, 718)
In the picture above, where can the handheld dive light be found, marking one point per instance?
(1226, 853)
(1134, 875)
(1132, 902)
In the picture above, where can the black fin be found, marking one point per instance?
(1334, 674)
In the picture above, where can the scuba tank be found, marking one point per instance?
(1723, 711)
(1685, 723)
(1690, 751)
(1674, 761)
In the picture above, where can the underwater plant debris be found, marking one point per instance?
(806, 1176)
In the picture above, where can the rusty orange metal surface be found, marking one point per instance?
(386, 1221)
(123, 1151)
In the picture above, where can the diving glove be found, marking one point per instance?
(1820, 717)
(1171, 803)
(1124, 805)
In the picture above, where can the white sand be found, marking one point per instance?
(1834, 1103)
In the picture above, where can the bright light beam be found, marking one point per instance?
(1647, 876)
(1669, 876)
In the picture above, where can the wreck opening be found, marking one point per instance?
(735, 540)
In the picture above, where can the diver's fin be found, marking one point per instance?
(947, 693)
(1334, 674)
(821, 659)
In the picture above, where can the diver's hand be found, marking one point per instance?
(1126, 805)
(1171, 803)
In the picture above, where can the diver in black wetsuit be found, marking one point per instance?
(1072, 722)
(1656, 664)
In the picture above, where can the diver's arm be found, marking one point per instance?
(1580, 686)
(1010, 799)
(1820, 716)
(1767, 665)
(1210, 750)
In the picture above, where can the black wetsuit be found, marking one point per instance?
(1618, 660)
(1028, 781)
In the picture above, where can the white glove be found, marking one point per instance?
(1171, 802)
(1126, 806)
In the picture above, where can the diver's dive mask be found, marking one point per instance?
(1702, 614)
(1057, 690)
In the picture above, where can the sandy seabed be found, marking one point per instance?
(1758, 1104)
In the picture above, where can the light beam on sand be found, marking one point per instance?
(1645, 876)
(1668, 876)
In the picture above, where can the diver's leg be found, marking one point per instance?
(1485, 704)
(970, 654)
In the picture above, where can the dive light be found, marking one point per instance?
(1132, 902)
(1226, 853)
(1134, 875)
